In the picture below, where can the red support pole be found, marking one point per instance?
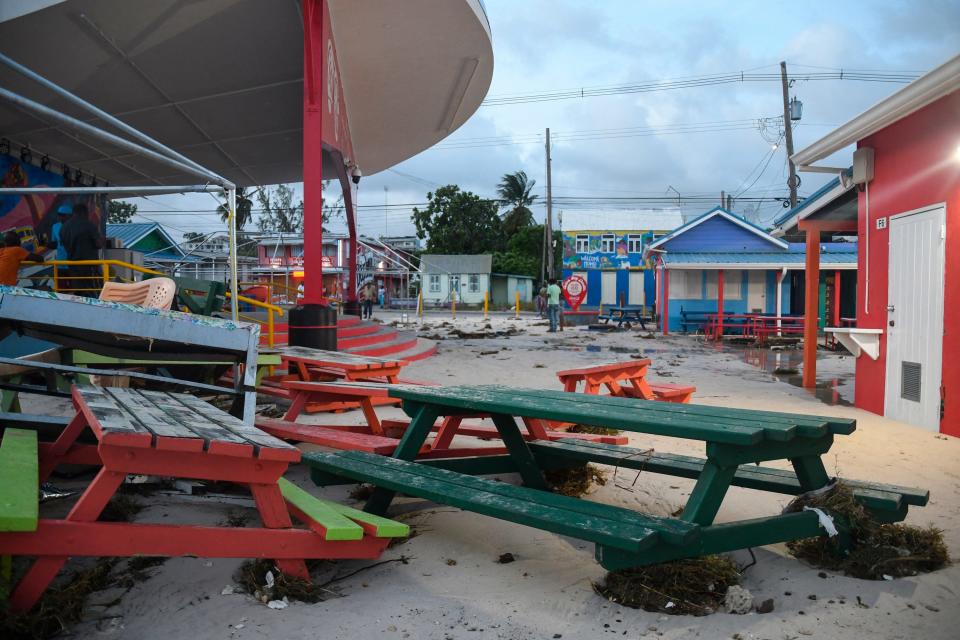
(719, 335)
(314, 65)
(812, 277)
(666, 301)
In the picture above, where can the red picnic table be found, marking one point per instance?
(180, 436)
(633, 373)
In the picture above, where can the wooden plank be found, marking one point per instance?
(562, 406)
(8, 418)
(374, 525)
(266, 446)
(19, 480)
(626, 366)
(216, 439)
(168, 434)
(111, 423)
(327, 437)
(410, 479)
(356, 388)
(873, 495)
(673, 531)
(332, 525)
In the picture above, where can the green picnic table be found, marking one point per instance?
(734, 440)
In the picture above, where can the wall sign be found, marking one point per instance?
(575, 291)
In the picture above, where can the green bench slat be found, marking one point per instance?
(874, 496)
(335, 525)
(382, 527)
(19, 481)
(780, 427)
(337, 519)
(486, 497)
(618, 413)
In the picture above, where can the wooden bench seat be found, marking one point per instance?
(886, 502)
(327, 437)
(19, 480)
(603, 524)
(670, 392)
(335, 521)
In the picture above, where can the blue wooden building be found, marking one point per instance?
(721, 261)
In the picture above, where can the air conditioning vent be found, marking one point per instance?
(910, 381)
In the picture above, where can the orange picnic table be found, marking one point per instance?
(627, 378)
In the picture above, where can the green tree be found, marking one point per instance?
(514, 189)
(193, 236)
(244, 208)
(524, 252)
(278, 211)
(120, 212)
(456, 221)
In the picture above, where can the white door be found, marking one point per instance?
(635, 294)
(915, 317)
(608, 287)
(757, 291)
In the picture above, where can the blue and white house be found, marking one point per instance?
(761, 274)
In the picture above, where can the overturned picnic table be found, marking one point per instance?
(613, 376)
(170, 435)
(308, 363)
(623, 537)
(626, 314)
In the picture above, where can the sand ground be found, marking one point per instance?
(451, 585)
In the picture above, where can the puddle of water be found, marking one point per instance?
(786, 366)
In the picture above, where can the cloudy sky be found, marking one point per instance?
(695, 141)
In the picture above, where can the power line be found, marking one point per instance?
(900, 77)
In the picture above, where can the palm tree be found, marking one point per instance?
(514, 190)
(244, 208)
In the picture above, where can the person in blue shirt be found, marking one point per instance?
(63, 215)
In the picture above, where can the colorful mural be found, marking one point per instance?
(31, 216)
(619, 258)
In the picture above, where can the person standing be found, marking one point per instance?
(382, 295)
(542, 301)
(11, 255)
(553, 304)
(369, 293)
(82, 241)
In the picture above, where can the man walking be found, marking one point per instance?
(553, 304)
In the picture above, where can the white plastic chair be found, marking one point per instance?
(156, 293)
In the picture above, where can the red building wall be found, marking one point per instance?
(917, 163)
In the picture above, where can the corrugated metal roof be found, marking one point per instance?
(811, 199)
(643, 220)
(129, 233)
(439, 263)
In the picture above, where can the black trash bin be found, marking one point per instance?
(314, 326)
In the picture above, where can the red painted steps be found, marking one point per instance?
(380, 334)
(369, 338)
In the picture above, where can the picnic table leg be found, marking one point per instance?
(296, 406)
(519, 451)
(274, 515)
(536, 428)
(410, 444)
(570, 384)
(708, 493)
(448, 429)
(810, 472)
(64, 441)
(373, 421)
(45, 568)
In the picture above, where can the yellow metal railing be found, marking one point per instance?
(67, 283)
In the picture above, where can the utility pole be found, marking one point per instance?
(549, 224)
(788, 132)
(723, 198)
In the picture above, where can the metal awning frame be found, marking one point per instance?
(157, 151)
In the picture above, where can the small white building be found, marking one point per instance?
(468, 276)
